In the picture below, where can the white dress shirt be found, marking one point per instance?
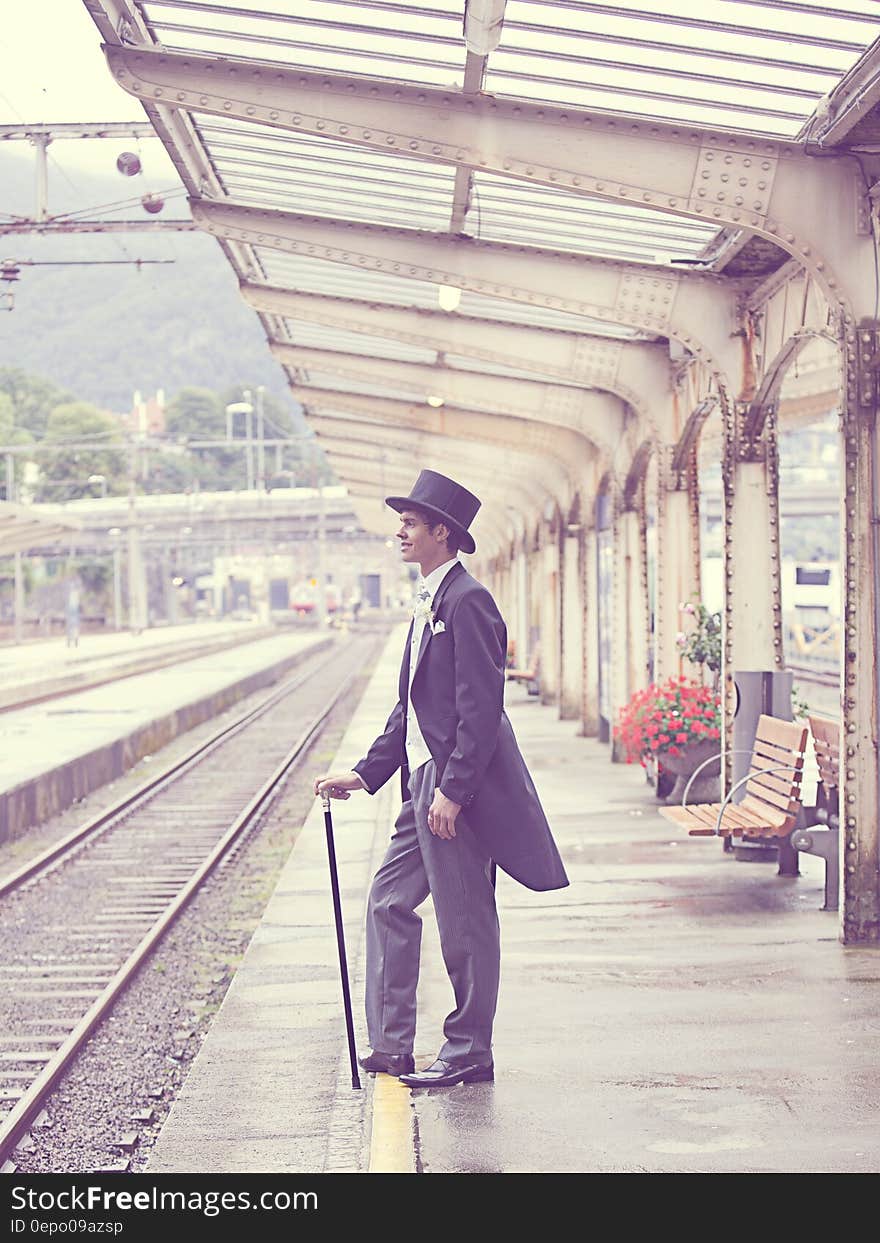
(417, 752)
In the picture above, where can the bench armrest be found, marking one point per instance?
(713, 759)
(778, 768)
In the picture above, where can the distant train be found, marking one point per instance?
(303, 597)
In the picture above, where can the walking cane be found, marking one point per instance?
(340, 941)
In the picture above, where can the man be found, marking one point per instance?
(468, 801)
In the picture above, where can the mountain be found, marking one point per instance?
(103, 331)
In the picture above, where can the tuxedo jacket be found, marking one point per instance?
(458, 696)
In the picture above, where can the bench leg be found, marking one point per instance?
(823, 842)
(788, 857)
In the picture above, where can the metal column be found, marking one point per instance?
(859, 769)
(677, 562)
(634, 633)
(572, 671)
(590, 706)
(752, 588)
(549, 612)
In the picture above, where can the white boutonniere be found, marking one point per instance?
(422, 611)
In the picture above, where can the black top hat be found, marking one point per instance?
(444, 499)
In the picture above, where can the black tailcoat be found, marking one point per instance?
(458, 696)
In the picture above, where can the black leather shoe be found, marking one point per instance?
(388, 1063)
(446, 1074)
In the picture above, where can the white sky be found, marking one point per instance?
(52, 69)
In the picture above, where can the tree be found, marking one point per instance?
(11, 435)
(74, 427)
(32, 398)
(200, 414)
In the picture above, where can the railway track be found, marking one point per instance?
(85, 915)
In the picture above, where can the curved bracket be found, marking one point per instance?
(767, 394)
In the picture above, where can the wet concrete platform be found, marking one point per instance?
(673, 1010)
(34, 670)
(55, 752)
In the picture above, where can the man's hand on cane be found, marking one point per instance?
(338, 785)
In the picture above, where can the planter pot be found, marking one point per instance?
(707, 787)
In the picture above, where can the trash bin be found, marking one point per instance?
(758, 691)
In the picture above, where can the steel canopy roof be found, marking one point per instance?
(760, 67)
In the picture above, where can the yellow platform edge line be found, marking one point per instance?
(391, 1142)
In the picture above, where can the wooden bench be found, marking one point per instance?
(821, 838)
(772, 784)
(530, 676)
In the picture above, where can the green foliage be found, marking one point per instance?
(32, 399)
(701, 644)
(800, 709)
(66, 470)
(194, 414)
(200, 414)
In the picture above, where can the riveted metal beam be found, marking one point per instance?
(753, 635)
(390, 471)
(572, 447)
(598, 416)
(725, 178)
(529, 446)
(639, 372)
(860, 773)
(699, 311)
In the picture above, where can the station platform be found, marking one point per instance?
(673, 1010)
(41, 668)
(57, 751)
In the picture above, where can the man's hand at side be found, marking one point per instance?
(338, 785)
(442, 814)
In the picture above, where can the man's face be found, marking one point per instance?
(417, 544)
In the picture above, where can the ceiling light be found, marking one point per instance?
(449, 296)
(435, 401)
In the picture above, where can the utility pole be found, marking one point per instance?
(322, 578)
(18, 594)
(117, 588)
(136, 619)
(261, 448)
(249, 434)
(40, 143)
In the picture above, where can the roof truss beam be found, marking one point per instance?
(728, 179)
(598, 417)
(638, 372)
(699, 311)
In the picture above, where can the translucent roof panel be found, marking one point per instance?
(307, 275)
(316, 336)
(416, 43)
(336, 383)
(503, 210)
(265, 167)
(758, 65)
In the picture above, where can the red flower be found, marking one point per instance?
(680, 738)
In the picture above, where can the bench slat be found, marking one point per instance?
(788, 734)
(773, 797)
(767, 757)
(772, 816)
(774, 781)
